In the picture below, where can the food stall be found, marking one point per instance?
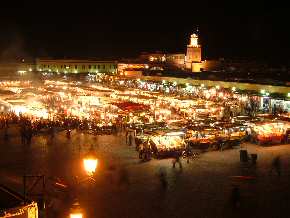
(164, 143)
(270, 132)
(215, 135)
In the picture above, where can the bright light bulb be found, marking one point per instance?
(76, 215)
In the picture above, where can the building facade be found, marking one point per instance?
(76, 66)
(157, 56)
(176, 59)
(131, 69)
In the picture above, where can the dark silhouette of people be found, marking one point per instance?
(235, 197)
(127, 134)
(123, 177)
(6, 136)
(163, 179)
(276, 165)
(130, 140)
(176, 160)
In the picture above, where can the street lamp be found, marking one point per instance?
(90, 162)
(90, 165)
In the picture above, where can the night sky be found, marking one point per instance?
(115, 30)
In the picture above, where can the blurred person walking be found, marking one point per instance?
(130, 140)
(123, 178)
(276, 165)
(176, 160)
(163, 179)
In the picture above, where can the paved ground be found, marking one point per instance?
(201, 189)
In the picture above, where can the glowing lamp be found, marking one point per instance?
(75, 211)
(90, 162)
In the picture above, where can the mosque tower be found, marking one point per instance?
(193, 53)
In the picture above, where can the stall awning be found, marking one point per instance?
(131, 106)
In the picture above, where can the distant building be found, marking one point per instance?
(17, 67)
(192, 61)
(176, 60)
(76, 66)
(131, 68)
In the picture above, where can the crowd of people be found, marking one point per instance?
(28, 127)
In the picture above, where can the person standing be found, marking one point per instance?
(6, 136)
(235, 197)
(29, 134)
(68, 133)
(22, 133)
(141, 150)
(127, 134)
(130, 140)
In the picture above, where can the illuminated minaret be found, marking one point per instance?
(193, 54)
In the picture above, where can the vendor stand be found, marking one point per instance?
(270, 132)
(161, 144)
